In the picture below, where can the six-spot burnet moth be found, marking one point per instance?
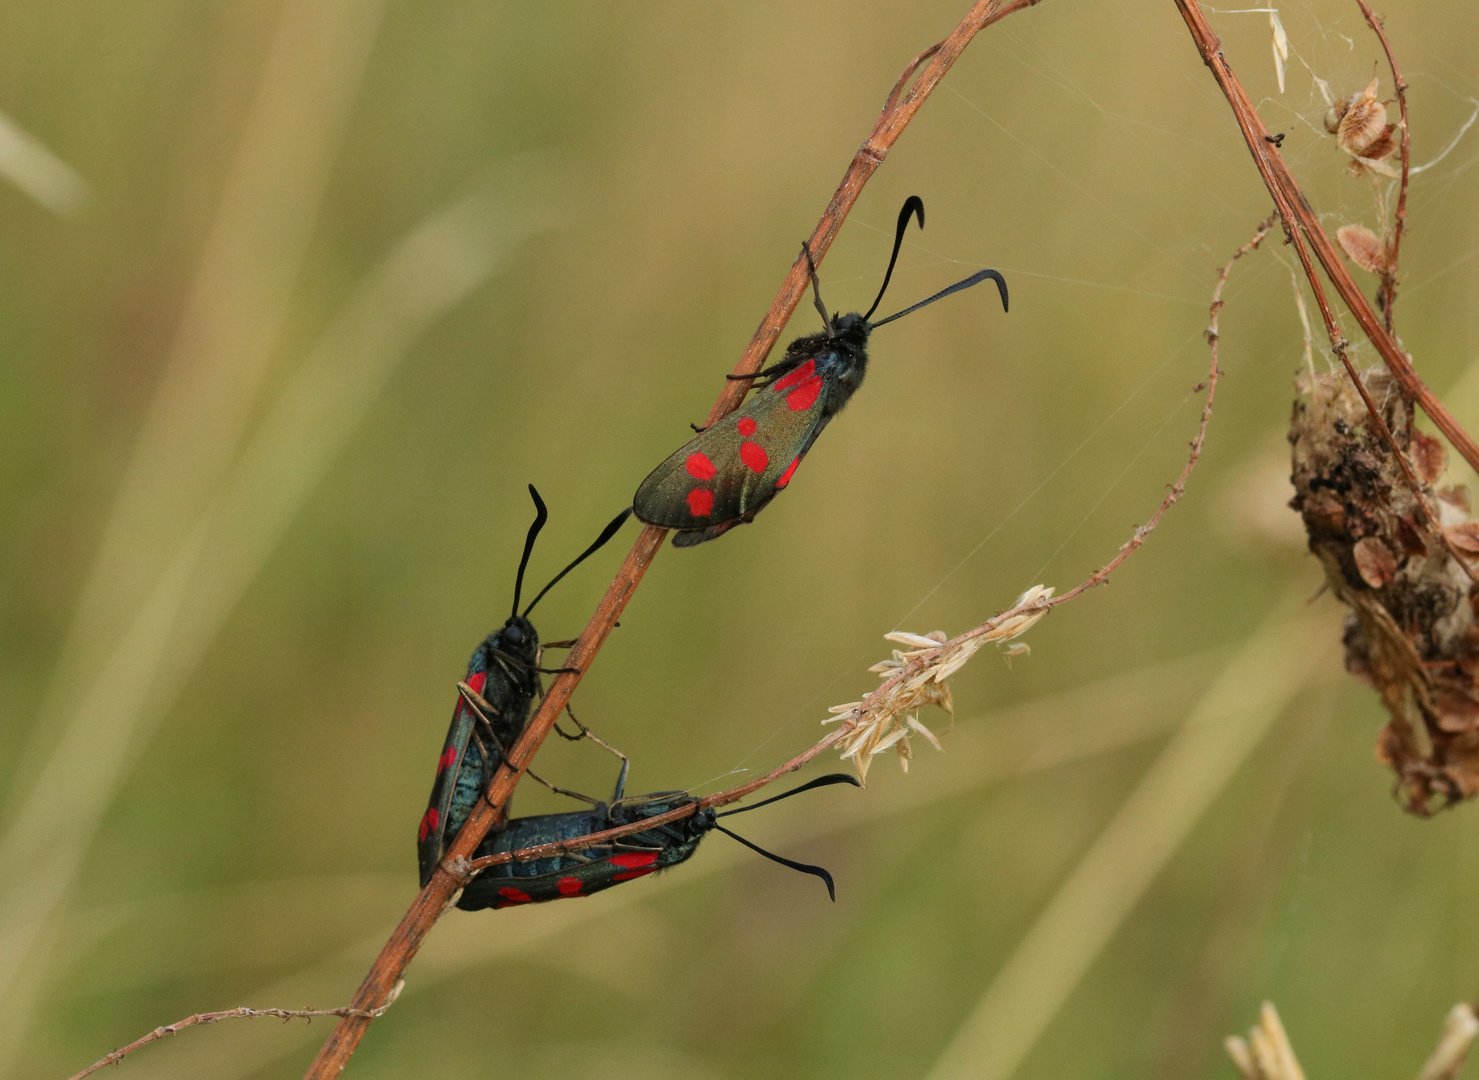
(590, 870)
(502, 682)
(730, 471)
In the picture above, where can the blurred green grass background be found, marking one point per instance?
(349, 275)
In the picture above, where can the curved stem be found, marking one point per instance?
(450, 875)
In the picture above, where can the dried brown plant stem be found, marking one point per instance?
(242, 1013)
(1399, 221)
(919, 663)
(1301, 224)
(432, 900)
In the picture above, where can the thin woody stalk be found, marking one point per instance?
(1301, 223)
(432, 900)
(1399, 220)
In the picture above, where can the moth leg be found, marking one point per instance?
(587, 733)
(476, 700)
(559, 790)
(778, 368)
(700, 430)
(816, 289)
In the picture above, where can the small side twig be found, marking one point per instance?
(242, 1013)
(1388, 294)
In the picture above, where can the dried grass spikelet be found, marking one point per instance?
(1280, 41)
(1359, 124)
(888, 718)
(1363, 247)
(1266, 1053)
(1460, 1027)
(1412, 633)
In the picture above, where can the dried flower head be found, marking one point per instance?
(1401, 560)
(887, 718)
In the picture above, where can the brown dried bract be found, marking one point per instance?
(1357, 121)
(1359, 124)
(1412, 632)
(1363, 247)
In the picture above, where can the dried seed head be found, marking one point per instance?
(887, 718)
(1413, 628)
(1363, 247)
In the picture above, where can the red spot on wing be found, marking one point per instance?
(448, 758)
(643, 872)
(700, 502)
(627, 860)
(805, 395)
(754, 456)
(570, 886)
(513, 896)
(746, 426)
(804, 372)
(429, 821)
(477, 682)
(700, 467)
(635, 863)
(786, 476)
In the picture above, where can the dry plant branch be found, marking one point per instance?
(901, 107)
(1301, 224)
(242, 1013)
(1388, 294)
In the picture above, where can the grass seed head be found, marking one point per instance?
(889, 717)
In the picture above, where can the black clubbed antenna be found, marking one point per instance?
(805, 868)
(541, 515)
(606, 534)
(913, 206)
(975, 279)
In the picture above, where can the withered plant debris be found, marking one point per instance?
(1359, 124)
(1412, 632)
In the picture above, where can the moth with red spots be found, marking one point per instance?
(601, 866)
(502, 681)
(729, 472)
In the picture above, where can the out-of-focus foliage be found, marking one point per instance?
(436, 251)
